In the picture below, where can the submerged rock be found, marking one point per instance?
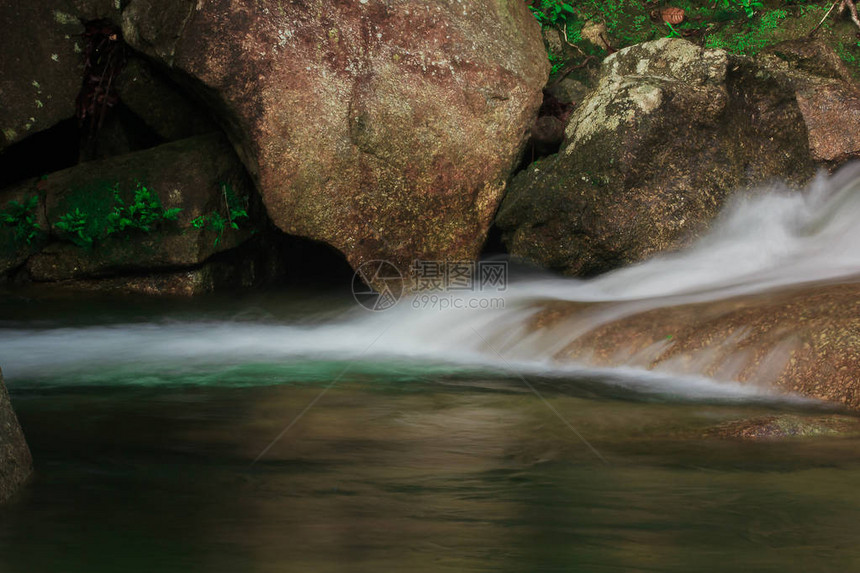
(668, 134)
(786, 426)
(16, 465)
(385, 129)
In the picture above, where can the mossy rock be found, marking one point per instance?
(654, 151)
(190, 175)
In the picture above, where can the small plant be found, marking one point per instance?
(752, 41)
(235, 210)
(74, 226)
(22, 219)
(845, 53)
(556, 63)
(86, 227)
(673, 33)
(143, 214)
(748, 6)
(611, 12)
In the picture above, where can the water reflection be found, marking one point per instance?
(447, 475)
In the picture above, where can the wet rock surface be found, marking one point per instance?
(804, 341)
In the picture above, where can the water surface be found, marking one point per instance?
(146, 465)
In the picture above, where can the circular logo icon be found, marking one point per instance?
(377, 285)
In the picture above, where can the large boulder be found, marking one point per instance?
(16, 465)
(42, 67)
(668, 134)
(386, 129)
(201, 176)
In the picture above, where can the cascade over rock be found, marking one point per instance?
(385, 129)
(803, 341)
(668, 134)
(16, 465)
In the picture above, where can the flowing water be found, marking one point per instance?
(297, 432)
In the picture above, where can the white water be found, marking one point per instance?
(771, 239)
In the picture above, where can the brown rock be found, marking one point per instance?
(568, 91)
(547, 133)
(185, 283)
(595, 32)
(552, 38)
(16, 465)
(385, 129)
(826, 95)
(809, 56)
(832, 115)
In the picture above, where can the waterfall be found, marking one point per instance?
(765, 242)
